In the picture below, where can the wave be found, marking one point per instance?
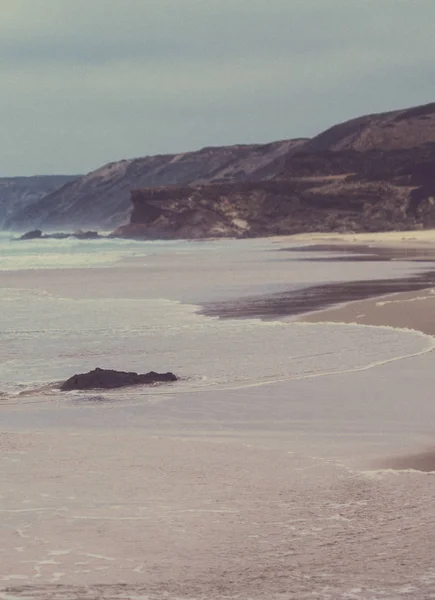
(71, 253)
(207, 353)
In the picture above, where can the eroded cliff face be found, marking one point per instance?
(346, 191)
(372, 173)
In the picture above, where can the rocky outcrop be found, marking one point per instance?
(36, 234)
(329, 191)
(108, 378)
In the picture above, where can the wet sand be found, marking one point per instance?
(406, 303)
(316, 298)
(110, 511)
(412, 309)
(424, 238)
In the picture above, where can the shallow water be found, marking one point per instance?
(266, 471)
(71, 252)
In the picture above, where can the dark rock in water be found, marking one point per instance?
(108, 378)
(80, 235)
(86, 235)
(31, 235)
(56, 236)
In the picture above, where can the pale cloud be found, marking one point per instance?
(89, 81)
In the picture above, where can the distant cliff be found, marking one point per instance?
(101, 199)
(18, 193)
(371, 173)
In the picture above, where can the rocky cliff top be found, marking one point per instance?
(399, 129)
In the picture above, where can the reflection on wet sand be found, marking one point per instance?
(423, 461)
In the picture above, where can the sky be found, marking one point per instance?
(86, 82)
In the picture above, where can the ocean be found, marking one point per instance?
(274, 420)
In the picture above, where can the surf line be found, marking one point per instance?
(330, 373)
(256, 384)
(374, 365)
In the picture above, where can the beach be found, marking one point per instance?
(293, 460)
(410, 309)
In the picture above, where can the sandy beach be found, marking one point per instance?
(284, 489)
(424, 238)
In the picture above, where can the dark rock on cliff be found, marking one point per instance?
(108, 378)
(216, 210)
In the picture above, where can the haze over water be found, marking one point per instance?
(254, 476)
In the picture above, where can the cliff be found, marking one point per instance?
(373, 173)
(18, 193)
(329, 191)
(101, 199)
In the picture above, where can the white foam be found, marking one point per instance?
(73, 253)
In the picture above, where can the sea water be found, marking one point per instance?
(48, 253)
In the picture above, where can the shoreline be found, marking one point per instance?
(411, 309)
(382, 302)
(388, 301)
